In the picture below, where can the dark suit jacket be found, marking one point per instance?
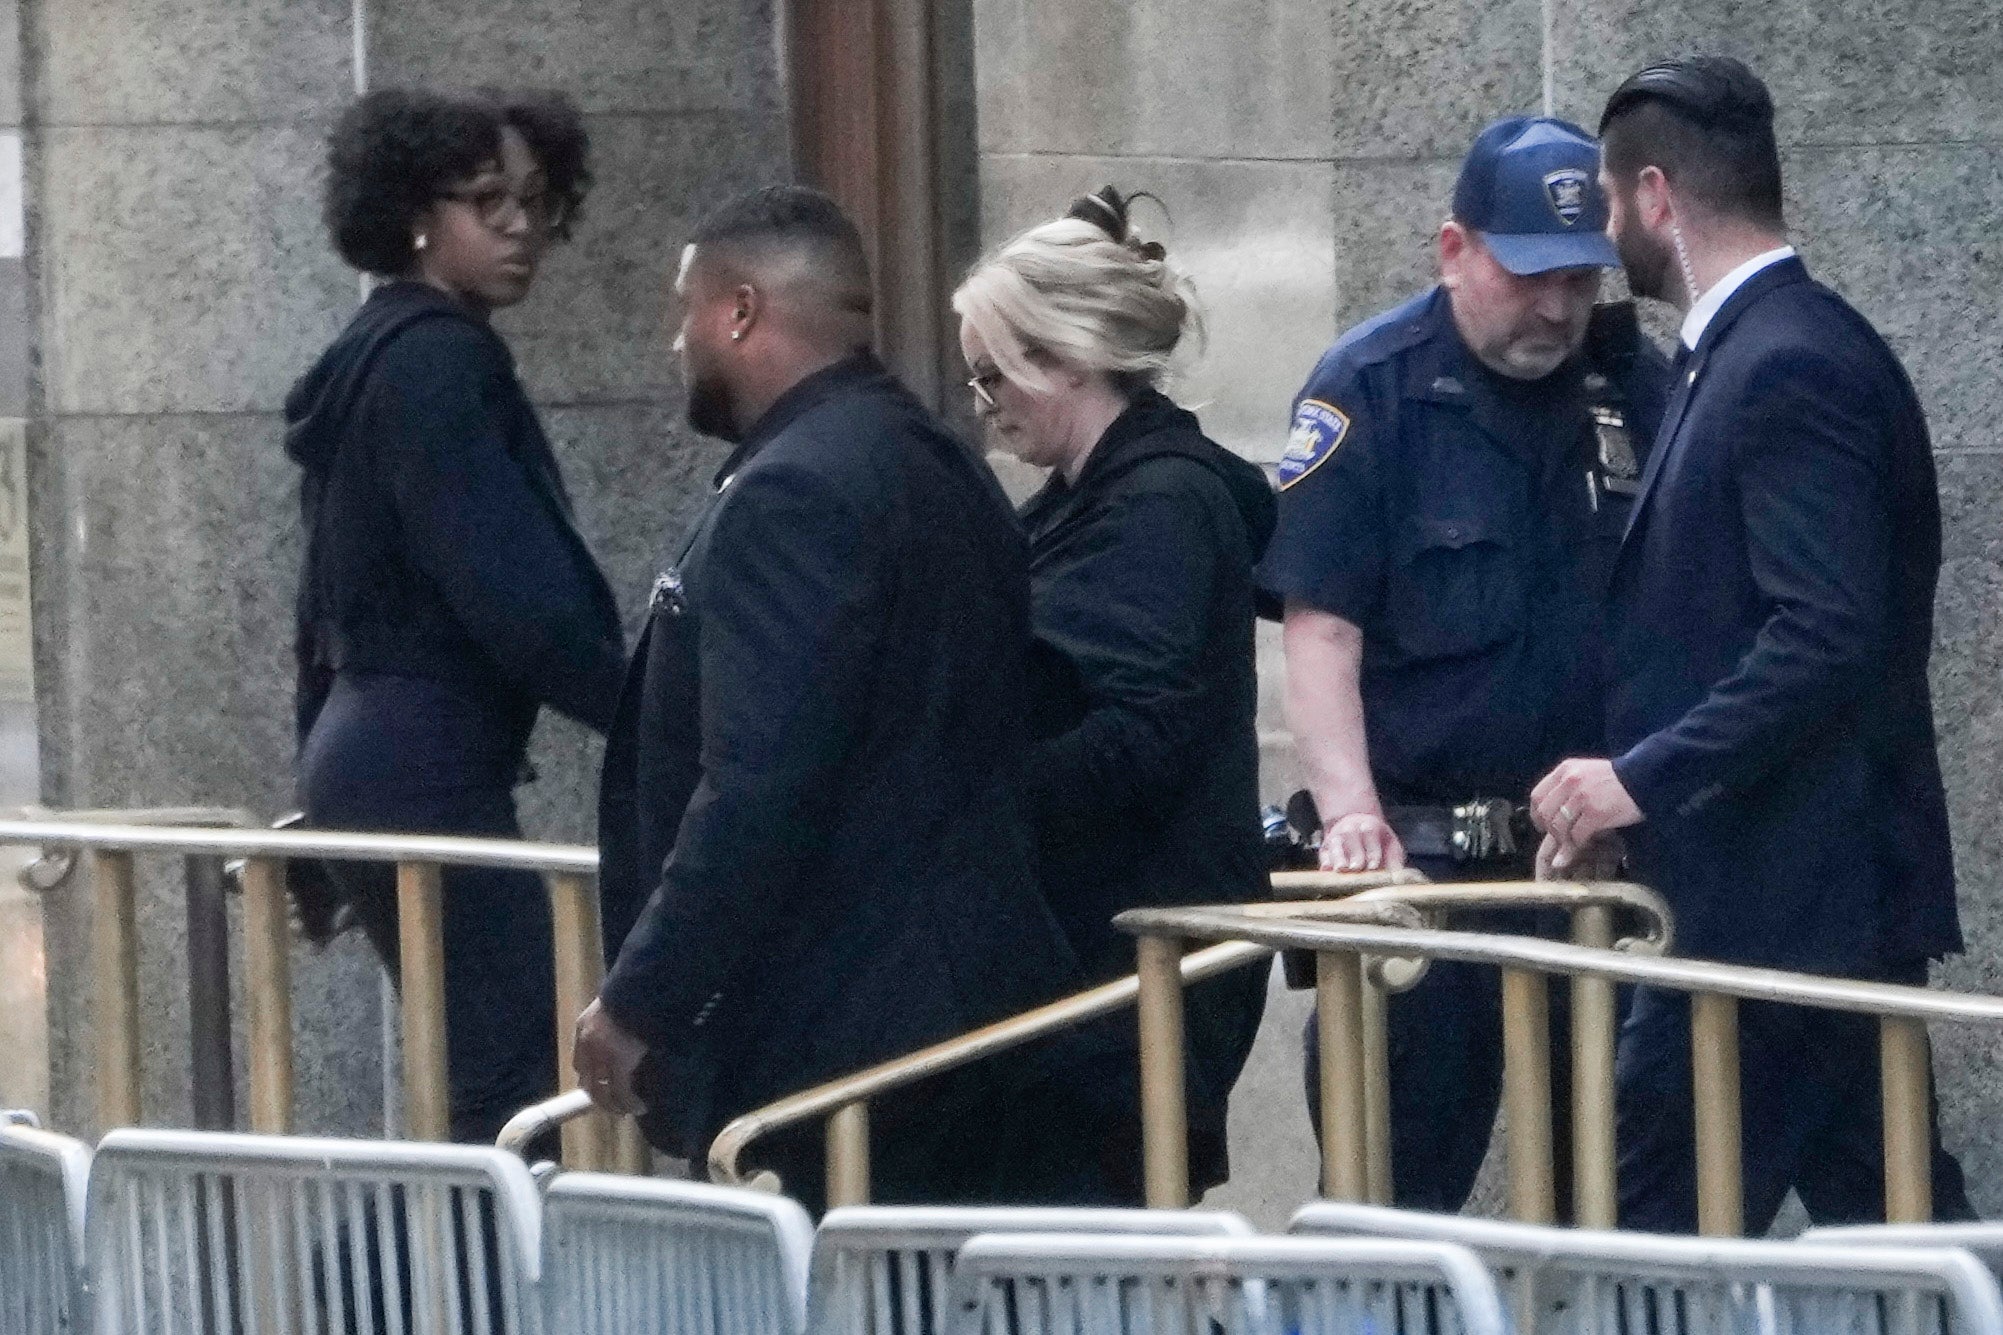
(813, 858)
(1773, 615)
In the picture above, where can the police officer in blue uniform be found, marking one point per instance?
(1453, 494)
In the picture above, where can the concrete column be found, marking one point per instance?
(181, 280)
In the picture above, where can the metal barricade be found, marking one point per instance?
(1983, 1240)
(624, 1255)
(42, 1183)
(269, 1235)
(1342, 950)
(1063, 1284)
(888, 1270)
(1590, 1282)
(108, 852)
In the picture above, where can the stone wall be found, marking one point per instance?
(181, 279)
(1306, 152)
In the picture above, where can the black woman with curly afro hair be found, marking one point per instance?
(446, 596)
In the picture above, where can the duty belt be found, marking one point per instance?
(1477, 830)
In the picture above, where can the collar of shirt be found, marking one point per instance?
(1706, 307)
(1516, 414)
(786, 409)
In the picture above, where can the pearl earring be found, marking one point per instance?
(422, 241)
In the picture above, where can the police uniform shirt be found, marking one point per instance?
(1467, 524)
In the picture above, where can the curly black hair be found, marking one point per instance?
(396, 150)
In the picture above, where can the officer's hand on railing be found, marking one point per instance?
(1360, 841)
(606, 1056)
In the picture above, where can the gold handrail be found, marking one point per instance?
(857, 1090)
(1527, 963)
(110, 841)
(442, 850)
(1393, 898)
(47, 872)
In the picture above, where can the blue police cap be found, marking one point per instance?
(1530, 186)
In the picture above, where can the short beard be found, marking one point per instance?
(1649, 262)
(709, 408)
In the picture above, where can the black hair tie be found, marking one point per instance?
(1104, 209)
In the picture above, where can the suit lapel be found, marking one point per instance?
(1790, 270)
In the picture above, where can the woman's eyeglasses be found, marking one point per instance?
(496, 207)
(983, 386)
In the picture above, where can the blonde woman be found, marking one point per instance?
(1142, 781)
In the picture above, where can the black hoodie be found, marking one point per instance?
(1143, 780)
(439, 537)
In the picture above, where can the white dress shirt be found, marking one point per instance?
(1706, 307)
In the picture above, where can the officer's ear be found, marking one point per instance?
(1455, 244)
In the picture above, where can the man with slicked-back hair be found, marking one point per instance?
(812, 856)
(1770, 724)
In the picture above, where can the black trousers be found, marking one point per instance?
(410, 755)
(1444, 1040)
(1810, 1109)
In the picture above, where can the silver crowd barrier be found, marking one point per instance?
(624, 1255)
(1067, 1284)
(888, 1270)
(267, 1235)
(1983, 1240)
(43, 1179)
(1596, 1282)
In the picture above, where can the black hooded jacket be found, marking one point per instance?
(440, 542)
(1143, 780)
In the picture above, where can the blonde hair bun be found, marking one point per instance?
(1086, 290)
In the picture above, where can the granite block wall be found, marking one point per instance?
(179, 278)
(1306, 152)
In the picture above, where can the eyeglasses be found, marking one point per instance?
(496, 207)
(983, 386)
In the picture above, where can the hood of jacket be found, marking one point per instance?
(319, 404)
(1153, 427)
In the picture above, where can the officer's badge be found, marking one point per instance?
(1566, 190)
(1619, 467)
(1318, 428)
(668, 595)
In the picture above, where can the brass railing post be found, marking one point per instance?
(421, 947)
(631, 1154)
(1526, 1092)
(1714, 1066)
(1164, 1101)
(580, 967)
(1376, 1091)
(115, 966)
(1904, 1068)
(1595, 1188)
(1345, 1157)
(848, 1155)
(267, 945)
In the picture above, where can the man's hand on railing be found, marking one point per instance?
(1575, 804)
(1599, 860)
(606, 1056)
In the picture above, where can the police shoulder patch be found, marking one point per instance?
(1318, 429)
